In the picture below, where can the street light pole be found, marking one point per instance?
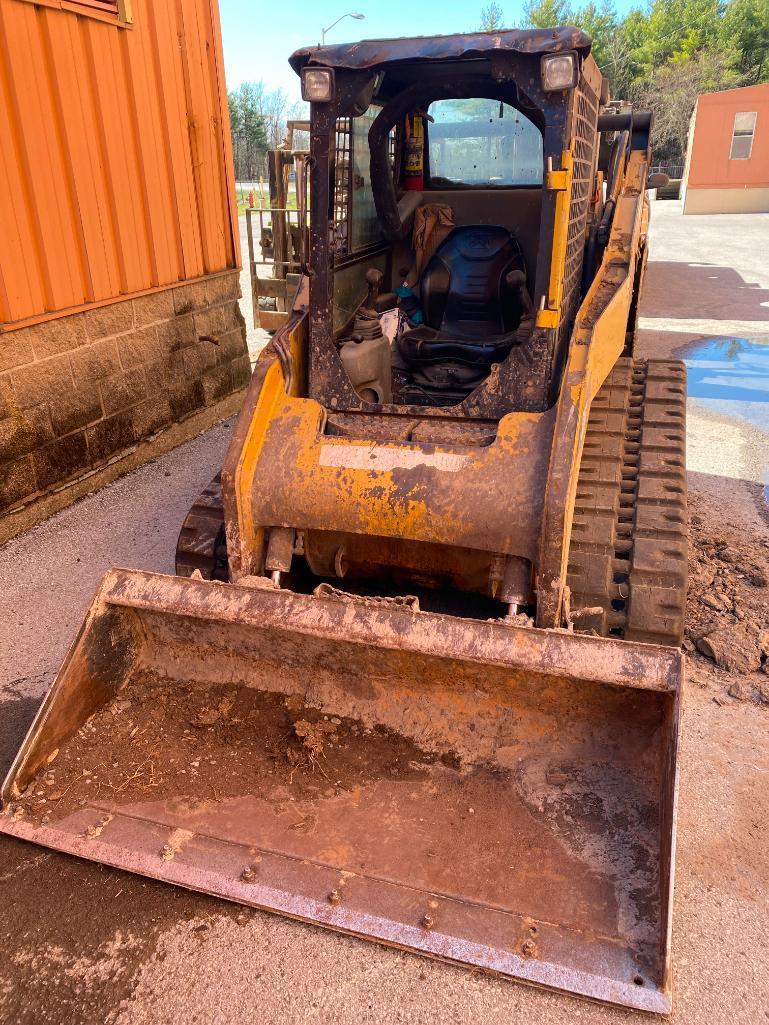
(323, 31)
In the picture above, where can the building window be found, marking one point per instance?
(742, 136)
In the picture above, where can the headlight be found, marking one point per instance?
(559, 71)
(317, 85)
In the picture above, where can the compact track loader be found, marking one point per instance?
(418, 676)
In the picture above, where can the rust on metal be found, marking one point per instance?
(371, 53)
(508, 736)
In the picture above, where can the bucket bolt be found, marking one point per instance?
(335, 897)
(427, 921)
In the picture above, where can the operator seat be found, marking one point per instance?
(471, 305)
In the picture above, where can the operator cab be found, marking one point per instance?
(431, 229)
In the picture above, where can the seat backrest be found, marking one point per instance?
(463, 287)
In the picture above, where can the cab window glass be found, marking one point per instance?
(482, 142)
(356, 224)
(365, 223)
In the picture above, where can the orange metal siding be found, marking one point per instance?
(116, 167)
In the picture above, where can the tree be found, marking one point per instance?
(258, 119)
(601, 24)
(671, 93)
(677, 30)
(745, 27)
(249, 132)
(491, 18)
(547, 13)
(276, 109)
(664, 55)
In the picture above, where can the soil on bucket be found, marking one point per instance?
(727, 615)
(160, 739)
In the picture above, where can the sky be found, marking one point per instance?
(259, 36)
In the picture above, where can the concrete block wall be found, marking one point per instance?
(82, 390)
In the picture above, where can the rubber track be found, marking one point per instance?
(202, 543)
(628, 554)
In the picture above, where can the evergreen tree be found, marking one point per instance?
(249, 132)
(745, 28)
(547, 13)
(491, 18)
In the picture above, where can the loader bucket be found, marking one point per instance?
(492, 795)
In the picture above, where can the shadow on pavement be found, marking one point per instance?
(701, 290)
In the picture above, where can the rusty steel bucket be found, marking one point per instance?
(498, 796)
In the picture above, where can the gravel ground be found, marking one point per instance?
(87, 944)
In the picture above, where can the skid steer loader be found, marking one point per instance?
(418, 675)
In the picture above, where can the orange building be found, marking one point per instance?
(727, 162)
(119, 243)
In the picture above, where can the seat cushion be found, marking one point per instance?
(463, 288)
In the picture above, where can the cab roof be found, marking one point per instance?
(376, 54)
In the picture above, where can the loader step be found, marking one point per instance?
(627, 561)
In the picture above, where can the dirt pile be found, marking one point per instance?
(157, 741)
(727, 616)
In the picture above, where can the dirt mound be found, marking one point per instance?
(727, 616)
